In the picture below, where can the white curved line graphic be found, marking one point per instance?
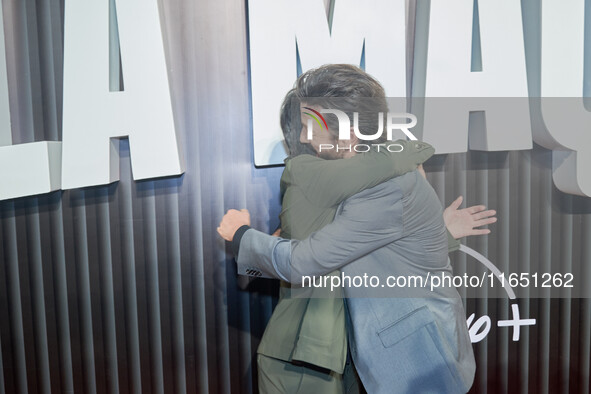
(493, 268)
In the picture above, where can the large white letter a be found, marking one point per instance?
(93, 114)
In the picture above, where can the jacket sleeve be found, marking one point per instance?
(452, 243)
(327, 183)
(259, 253)
(366, 222)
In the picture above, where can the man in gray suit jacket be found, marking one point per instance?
(405, 340)
(396, 229)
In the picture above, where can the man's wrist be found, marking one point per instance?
(453, 243)
(237, 238)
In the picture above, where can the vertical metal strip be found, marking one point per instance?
(83, 291)
(47, 70)
(584, 345)
(2, 388)
(479, 180)
(175, 283)
(152, 288)
(37, 294)
(524, 208)
(128, 271)
(106, 286)
(16, 62)
(483, 196)
(6, 385)
(503, 258)
(220, 288)
(61, 293)
(460, 175)
(411, 17)
(585, 311)
(565, 265)
(57, 23)
(545, 262)
(199, 300)
(5, 131)
(33, 74)
(14, 298)
(199, 289)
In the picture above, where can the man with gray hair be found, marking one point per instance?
(394, 229)
(304, 346)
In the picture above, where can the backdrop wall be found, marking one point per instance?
(128, 288)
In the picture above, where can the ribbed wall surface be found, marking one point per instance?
(128, 288)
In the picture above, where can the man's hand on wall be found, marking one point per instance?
(464, 222)
(231, 222)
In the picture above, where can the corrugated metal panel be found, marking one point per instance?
(127, 287)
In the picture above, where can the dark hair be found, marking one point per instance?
(347, 88)
(291, 126)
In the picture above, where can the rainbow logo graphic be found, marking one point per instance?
(316, 118)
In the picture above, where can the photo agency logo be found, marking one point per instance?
(394, 122)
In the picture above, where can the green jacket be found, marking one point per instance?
(312, 330)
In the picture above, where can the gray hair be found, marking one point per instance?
(291, 126)
(347, 88)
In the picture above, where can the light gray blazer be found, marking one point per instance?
(402, 340)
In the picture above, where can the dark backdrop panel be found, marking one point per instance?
(128, 288)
